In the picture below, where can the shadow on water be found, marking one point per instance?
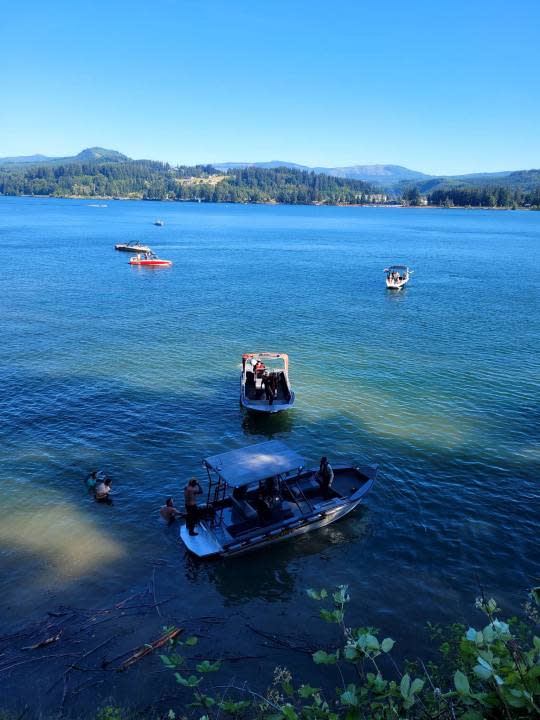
(396, 296)
(272, 574)
(267, 426)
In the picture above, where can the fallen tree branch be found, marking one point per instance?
(147, 649)
(44, 643)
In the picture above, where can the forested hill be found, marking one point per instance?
(149, 180)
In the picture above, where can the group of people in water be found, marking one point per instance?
(100, 485)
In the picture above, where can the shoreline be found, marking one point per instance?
(272, 202)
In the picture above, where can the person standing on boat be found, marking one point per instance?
(191, 491)
(325, 477)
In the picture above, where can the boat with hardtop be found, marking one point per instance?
(262, 494)
(264, 382)
(397, 276)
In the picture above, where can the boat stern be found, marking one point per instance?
(204, 544)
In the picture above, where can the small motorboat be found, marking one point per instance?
(149, 259)
(133, 247)
(397, 276)
(261, 495)
(264, 383)
(160, 223)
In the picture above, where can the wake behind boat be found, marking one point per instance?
(264, 383)
(133, 247)
(397, 276)
(261, 495)
(149, 259)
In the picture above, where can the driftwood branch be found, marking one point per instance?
(147, 649)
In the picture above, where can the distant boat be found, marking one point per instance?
(133, 247)
(100, 205)
(149, 259)
(159, 222)
(397, 276)
(266, 389)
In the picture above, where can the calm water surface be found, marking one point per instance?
(137, 372)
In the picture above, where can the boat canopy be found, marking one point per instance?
(396, 267)
(266, 356)
(256, 462)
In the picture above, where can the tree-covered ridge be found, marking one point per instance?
(151, 180)
(489, 196)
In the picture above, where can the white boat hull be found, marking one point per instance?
(391, 285)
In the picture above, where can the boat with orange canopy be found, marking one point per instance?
(264, 383)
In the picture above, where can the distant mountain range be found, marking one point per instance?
(93, 154)
(392, 178)
(381, 175)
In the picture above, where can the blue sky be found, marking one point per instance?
(438, 87)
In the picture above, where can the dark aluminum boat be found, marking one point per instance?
(261, 495)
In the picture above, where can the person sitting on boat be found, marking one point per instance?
(102, 491)
(259, 368)
(325, 477)
(191, 491)
(168, 512)
(262, 506)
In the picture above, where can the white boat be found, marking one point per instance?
(264, 383)
(397, 276)
(261, 495)
(133, 247)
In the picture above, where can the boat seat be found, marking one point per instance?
(244, 509)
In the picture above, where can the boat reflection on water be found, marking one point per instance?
(397, 296)
(272, 575)
(267, 425)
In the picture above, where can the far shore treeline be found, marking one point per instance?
(151, 180)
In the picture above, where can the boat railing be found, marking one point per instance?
(296, 482)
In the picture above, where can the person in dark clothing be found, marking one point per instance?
(268, 389)
(191, 491)
(325, 477)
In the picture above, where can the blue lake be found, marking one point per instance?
(136, 371)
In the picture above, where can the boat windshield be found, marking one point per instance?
(257, 462)
(264, 360)
(397, 268)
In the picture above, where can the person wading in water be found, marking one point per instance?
(191, 491)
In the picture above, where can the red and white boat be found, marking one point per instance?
(149, 259)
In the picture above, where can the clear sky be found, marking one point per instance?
(442, 87)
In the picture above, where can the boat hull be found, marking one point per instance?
(396, 286)
(133, 248)
(266, 409)
(151, 263)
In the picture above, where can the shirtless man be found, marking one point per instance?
(191, 491)
(168, 512)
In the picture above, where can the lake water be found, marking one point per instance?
(137, 372)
